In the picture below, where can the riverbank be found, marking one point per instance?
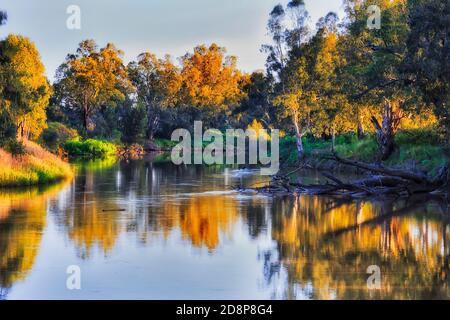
(416, 150)
(36, 166)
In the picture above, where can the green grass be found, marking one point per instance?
(165, 144)
(362, 149)
(419, 148)
(90, 148)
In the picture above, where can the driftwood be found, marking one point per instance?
(380, 181)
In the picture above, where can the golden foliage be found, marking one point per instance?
(210, 78)
(23, 76)
(37, 166)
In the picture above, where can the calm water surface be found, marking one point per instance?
(183, 234)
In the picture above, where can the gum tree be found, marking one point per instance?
(91, 78)
(158, 82)
(377, 56)
(24, 89)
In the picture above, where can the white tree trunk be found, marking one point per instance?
(299, 136)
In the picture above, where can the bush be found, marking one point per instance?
(16, 148)
(56, 135)
(365, 149)
(89, 148)
(418, 137)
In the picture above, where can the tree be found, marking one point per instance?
(427, 62)
(3, 17)
(132, 123)
(211, 81)
(158, 82)
(375, 59)
(256, 104)
(276, 50)
(288, 29)
(91, 78)
(306, 87)
(24, 89)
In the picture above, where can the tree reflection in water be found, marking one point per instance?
(325, 246)
(309, 247)
(22, 222)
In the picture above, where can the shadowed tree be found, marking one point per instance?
(427, 62)
(158, 82)
(377, 56)
(132, 124)
(3, 17)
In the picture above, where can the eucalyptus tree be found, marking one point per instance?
(90, 78)
(427, 62)
(158, 82)
(24, 89)
(305, 74)
(375, 63)
(212, 84)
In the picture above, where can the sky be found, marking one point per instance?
(159, 26)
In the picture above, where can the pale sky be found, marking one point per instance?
(158, 26)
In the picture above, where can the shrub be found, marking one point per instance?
(418, 137)
(364, 149)
(89, 148)
(15, 147)
(56, 135)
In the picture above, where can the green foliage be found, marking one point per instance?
(89, 148)
(56, 135)
(133, 123)
(421, 148)
(364, 149)
(165, 144)
(15, 147)
(97, 164)
(24, 89)
(426, 136)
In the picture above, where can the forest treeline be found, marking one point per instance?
(340, 77)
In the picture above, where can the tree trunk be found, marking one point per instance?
(152, 123)
(333, 138)
(385, 133)
(360, 129)
(85, 119)
(299, 136)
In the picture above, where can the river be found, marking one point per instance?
(147, 229)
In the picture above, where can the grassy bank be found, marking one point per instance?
(90, 148)
(36, 166)
(419, 149)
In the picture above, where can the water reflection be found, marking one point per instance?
(325, 247)
(202, 240)
(22, 222)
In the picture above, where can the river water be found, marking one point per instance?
(147, 229)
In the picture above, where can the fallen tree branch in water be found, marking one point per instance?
(382, 181)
